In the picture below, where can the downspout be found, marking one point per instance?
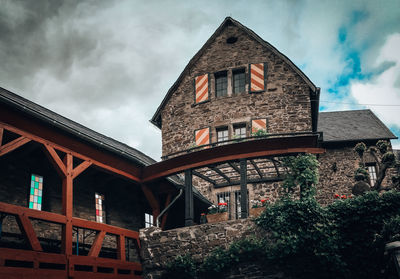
(166, 209)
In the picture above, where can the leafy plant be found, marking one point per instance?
(182, 267)
(222, 207)
(259, 133)
(384, 159)
(302, 172)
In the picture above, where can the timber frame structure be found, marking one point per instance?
(61, 150)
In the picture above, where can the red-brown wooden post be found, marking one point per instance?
(67, 205)
(121, 247)
(1, 135)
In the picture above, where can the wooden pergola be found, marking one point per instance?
(228, 164)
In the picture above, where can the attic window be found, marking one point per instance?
(231, 40)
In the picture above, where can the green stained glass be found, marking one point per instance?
(36, 185)
(33, 177)
(32, 191)
(31, 205)
(39, 200)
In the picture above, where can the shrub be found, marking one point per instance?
(182, 267)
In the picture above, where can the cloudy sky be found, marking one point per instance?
(108, 64)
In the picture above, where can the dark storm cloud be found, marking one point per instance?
(108, 64)
(33, 36)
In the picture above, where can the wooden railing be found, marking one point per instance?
(34, 263)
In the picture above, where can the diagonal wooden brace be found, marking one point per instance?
(56, 160)
(81, 168)
(12, 145)
(26, 228)
(97, 243)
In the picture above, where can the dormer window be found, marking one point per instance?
(239, 81)
(221, 84)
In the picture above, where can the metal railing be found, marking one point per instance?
(239, 140)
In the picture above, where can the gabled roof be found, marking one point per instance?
(352, 125)
(84, 133)
(228, 20)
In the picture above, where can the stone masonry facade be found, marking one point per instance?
(285, 103)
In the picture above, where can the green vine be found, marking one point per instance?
(305, 240)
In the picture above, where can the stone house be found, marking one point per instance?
(72, 200)
(238, 85)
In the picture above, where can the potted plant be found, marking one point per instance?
(257, 207)
(218, 213)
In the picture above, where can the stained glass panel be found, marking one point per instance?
(36, 192)
(100, 210)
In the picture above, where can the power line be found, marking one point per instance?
(353, 104)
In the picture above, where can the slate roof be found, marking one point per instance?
(156, 119)
(352, 125)
(101, 141)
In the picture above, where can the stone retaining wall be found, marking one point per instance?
(160, 247)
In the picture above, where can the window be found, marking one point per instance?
(224, 197)
(372, 174)
(239, 81)
(221, 84)
(239, 130)
(36, 193)
(100, 208)
(238, 206)
(148, 220)
(222, 134)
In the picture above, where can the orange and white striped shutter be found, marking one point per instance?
(258, 124)
(201, 88)
(257, 77)
(202, 136)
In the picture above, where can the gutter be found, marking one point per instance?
(168, 207)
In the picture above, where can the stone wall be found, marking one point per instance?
(336, 171)
(160, 247)
(285, 103)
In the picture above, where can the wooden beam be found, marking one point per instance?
(81, 168)
(276, 167)
(267, 147)
(256, 168)
(12, 145)
(121, 247)
(233, 166)
(97, 243)
(78, 149)
(26, 228)
(33, 213)
(218, 171)
(1, 135)
(250, 181)
(164, 218)
(55, 160)
(82, 223)
(202, 176)
(153, 202)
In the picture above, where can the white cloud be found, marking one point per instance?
(383, 89)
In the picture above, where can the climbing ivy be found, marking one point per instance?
(305, 240)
